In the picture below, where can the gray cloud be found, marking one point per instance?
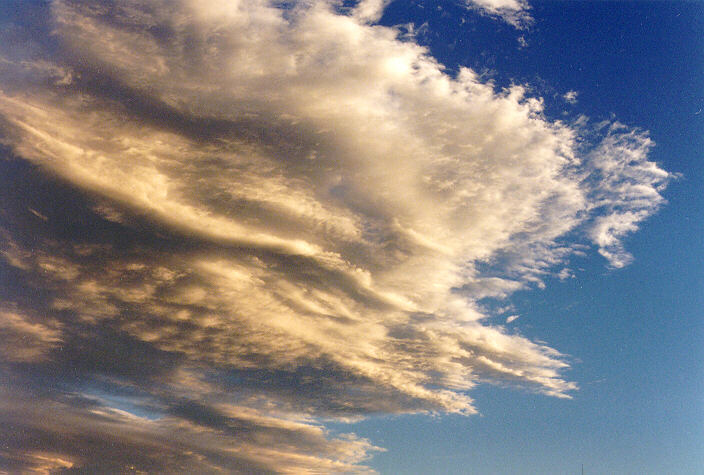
(74, 433)
(227, 220)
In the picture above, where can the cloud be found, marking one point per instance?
(370, 10)
(24, 339)
(570, 97)
(514, 12)
(78, 432)
(284, 213)
(628, 189)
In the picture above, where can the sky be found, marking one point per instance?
(323, 236)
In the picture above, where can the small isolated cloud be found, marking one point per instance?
(283, 212)
(512, 318)
(515, 12)
(571, 97)
(37, 214)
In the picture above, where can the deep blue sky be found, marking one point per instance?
(636, 335)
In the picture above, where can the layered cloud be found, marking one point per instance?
(76, 431)
(232, 220)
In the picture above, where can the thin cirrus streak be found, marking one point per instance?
(257, 217)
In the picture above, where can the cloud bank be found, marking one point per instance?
(227, 222)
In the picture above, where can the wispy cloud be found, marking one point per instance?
(515, 12)
(285, 214)
(570, 97)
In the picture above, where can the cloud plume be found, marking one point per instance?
(231, 221)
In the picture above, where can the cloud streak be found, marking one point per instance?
(249, 217)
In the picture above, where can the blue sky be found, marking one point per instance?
(402, 237)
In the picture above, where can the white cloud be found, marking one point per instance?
(628, 189)
(370, 10)
(571, 97)
(514, 12)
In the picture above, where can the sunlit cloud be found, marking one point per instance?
(80, 431)
(26, 339)
(287, 214)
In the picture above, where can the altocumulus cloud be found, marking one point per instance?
(226, 222)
